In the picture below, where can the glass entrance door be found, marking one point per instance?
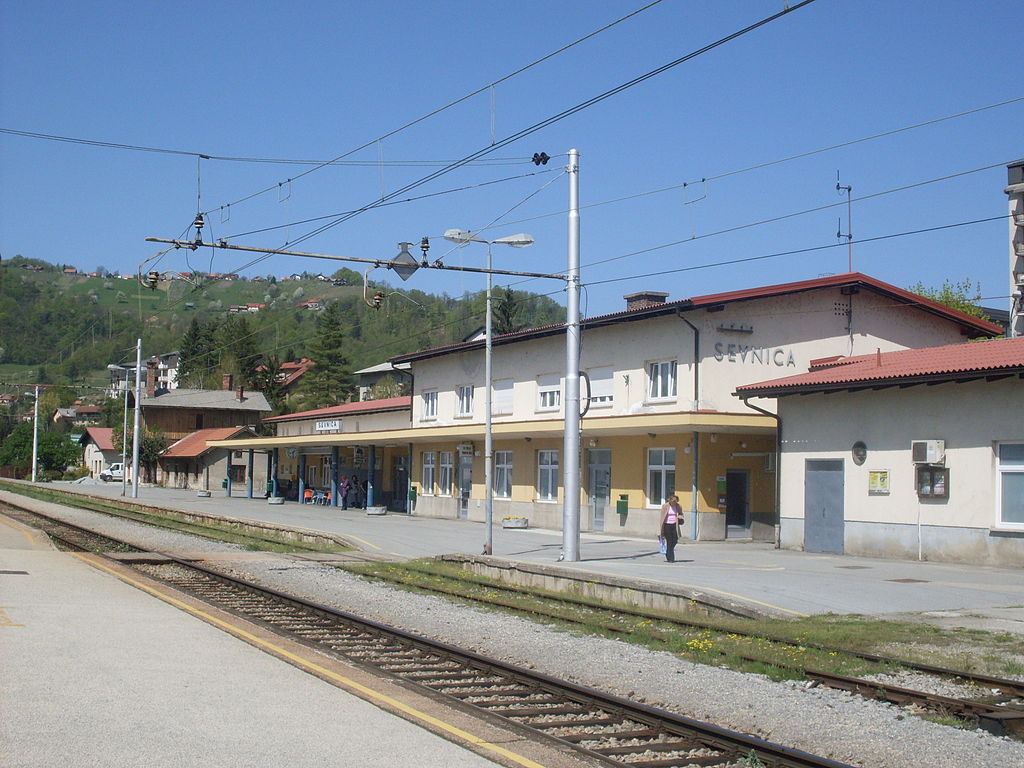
(599, 484)
(465, 484)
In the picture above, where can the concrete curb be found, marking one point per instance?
(644, 593)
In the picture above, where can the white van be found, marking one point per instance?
(113, 472)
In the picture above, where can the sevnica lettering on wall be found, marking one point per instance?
(744, 353)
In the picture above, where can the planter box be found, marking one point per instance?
(376, 510)
(203, 494)
(516, 522)
(275, 500)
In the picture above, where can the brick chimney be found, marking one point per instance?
(226, 382)
(151, 376)
(642, 299)
(241, 394)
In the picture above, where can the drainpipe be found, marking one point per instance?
(695, 439)
(778, 467)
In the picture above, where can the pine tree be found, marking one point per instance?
(329, 381)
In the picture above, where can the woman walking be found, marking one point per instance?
(671, 514)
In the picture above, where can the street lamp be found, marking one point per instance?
(461, 237)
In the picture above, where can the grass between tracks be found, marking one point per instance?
(717, 640)
(229, 533)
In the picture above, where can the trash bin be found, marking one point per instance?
(622, 504)
(224, 483)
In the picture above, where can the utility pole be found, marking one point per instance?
(571, 438)
(138, 411)
(35, 435)
(124, 438)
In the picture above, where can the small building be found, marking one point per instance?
(98, 449)
(916, 453)
(191, 463)
(179, 412)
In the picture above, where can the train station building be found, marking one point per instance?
(660, 416)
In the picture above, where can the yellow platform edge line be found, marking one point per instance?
(319, 670)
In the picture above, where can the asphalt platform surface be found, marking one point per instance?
(776, 581)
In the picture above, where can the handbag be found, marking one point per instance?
(662, 545)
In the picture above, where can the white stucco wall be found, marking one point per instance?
(744, 343)
(971, 418)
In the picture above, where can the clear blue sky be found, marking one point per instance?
(314, 80)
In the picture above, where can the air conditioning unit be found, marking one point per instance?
(928, 451)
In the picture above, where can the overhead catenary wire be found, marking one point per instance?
(454, 103)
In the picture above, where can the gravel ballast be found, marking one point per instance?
(820, 720)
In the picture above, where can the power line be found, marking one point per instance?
(758, 166)
(797, 251)
(447, 106)
(394, 202)
(546, 122)
(233, 159)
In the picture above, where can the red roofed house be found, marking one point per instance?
(98, 443)
(914, 454)
(191, 463)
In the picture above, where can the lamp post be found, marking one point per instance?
(515, 241)
(35, 434)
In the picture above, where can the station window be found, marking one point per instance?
(547, 475)
(1010, 481)
(444, 482)
(661, 380)
(465, 401)
(429, 405)
(601, 386)
(549, 392)
(661, 475)
(503, 474)
(429, 470)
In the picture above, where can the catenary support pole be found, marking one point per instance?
(35, 435)
(488, 435)
(138, 413)
(124, 437)
(571, 442)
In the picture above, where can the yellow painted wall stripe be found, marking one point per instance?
(319, 670)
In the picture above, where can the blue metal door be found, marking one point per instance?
(823, 505)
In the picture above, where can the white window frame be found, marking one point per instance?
(429, 398)
(464, 401)
(501, 399)
(602, 386)
(446, 475)
(662, 380)
(1004, 468)
(503, 474)
(547, 476)
(660, 470)
(429, 474)
(549, 392)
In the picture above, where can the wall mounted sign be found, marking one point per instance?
(878, 482)
(748, 353)
(328, 425)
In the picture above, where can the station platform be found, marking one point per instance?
(773, 581)
(96, 672)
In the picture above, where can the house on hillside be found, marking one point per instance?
(98, 449)
(313, 304)
(943, 481)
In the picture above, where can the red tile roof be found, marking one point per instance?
(102, 436)
(947, 363)
(363, 406)
(194, 444)
(853, 280)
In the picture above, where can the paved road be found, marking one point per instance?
(786, 581)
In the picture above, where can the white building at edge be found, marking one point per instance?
(914, 454)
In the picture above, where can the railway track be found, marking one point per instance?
(1002, 713)
(609, 729)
